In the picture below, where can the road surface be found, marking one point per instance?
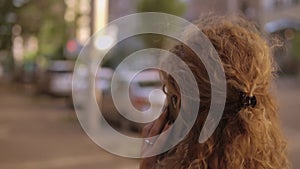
(38, 132)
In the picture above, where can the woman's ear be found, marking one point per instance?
(174, 101)
(173, 107)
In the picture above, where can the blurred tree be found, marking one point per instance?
(45, 21)
(295, 52)
(288, 56)
(135, 43)
(174, 7)
(296, 46)
(7, 19)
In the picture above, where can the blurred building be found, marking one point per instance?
(119, 8)
(262, 11)
(196, 8)
(267, 11)
(272, 16)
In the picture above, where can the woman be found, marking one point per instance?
(248, 135)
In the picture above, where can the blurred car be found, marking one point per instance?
(101, 89)
(104, 98)
(56, 80)
(139, 91)
(282, 24)
(142, 86)
(1, 71)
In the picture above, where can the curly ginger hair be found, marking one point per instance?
(246, 138)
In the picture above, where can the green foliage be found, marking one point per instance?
(45, 20)
(174, 7)
(42, 19)
(296, 46)
(138, 42)
(7, 19)
(51, 39)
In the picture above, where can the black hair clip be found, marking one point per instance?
(247, 101)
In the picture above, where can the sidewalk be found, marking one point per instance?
(289, 106)
(42, 133)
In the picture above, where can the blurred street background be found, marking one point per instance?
(40, 41)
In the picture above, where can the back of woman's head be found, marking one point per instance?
(248, 135)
